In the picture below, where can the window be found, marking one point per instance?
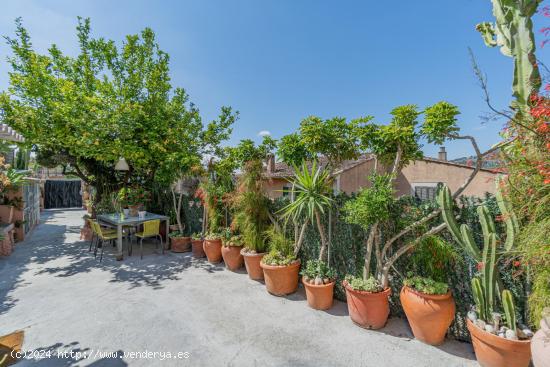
(425, 190)
(286, 191)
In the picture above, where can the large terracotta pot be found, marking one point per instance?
(429, 315)
(281, 280)
(252, 263)
(494, 351)
(367, 309)
(540, 345)
(213, 250)
(197, 247)
(180, 244)
(320, 296)
(232, 257)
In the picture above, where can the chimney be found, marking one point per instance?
(442, 155)
(271, 163)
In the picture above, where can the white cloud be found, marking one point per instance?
(264, 133)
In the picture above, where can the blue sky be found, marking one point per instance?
(279, 61)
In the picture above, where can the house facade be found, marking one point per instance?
(420, 178)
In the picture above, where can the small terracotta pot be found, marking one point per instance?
(540, 345)
(281, 280)
(320, 296)
(495, 351)
(429, 315)
(180, 244)
(252, 264)
(198, 250)
(213, 250)
(232, 257)
(366, 309)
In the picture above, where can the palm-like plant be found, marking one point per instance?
(311, 190)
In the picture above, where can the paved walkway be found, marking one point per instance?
(65, 300)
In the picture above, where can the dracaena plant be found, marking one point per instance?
(311, 192)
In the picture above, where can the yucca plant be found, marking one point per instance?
(311, 189)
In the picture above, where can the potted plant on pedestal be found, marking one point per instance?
(231, 250)
(310, 189)
(430, 308)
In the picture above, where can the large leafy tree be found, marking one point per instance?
(86, 111)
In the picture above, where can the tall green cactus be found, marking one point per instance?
(513, 33)
(479, 298)
(509, 309)
(484, 288)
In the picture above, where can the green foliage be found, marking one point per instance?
(86, 111)
(251, 207)
(213, 236)
(372, 204)
(292, 150)
(278, 259)
(279, 242)
(433, 257)
(133, 195)
(318, 269)
(426, 285)
(370, 284)
(196, 236)
(509, 309)
(233, 241)
(176, 234)
(311, 189)
(440, 122)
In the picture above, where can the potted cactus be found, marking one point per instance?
(231, 250)
(430, 308)
(496, 343)
(318, 280)
(197, 246)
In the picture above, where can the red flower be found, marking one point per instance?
(480, 266)
(517, 263)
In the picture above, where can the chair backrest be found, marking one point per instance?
(93, 225)
(151, 228)
(96, 227)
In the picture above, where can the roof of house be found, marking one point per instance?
(283, 170)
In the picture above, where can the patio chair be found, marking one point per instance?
(94, 234)
(102, 237)
(151, 229)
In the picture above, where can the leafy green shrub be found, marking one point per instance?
(277, 259)
(211, 236)
(426, 285)
(176, 234)
(368, 285)
(197, 236)
(281, 248)
(318, 269)
(433, 257)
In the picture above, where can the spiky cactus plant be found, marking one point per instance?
(513, 33)
(509, 309)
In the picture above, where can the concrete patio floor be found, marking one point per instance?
(65, 300)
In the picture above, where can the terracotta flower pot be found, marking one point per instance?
(540, 345)
(281, 280)
(180, 244)
(494, 351)
(366, 309)
(213, 250)
(232, 257)
(429, 315)
(252, 264)
(134, 210)
(320, 296)
(197, 247)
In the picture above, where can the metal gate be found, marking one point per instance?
(62, 194)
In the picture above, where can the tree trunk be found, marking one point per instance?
(368, 252)
(322, 253)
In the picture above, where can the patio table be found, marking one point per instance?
(120, 220)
